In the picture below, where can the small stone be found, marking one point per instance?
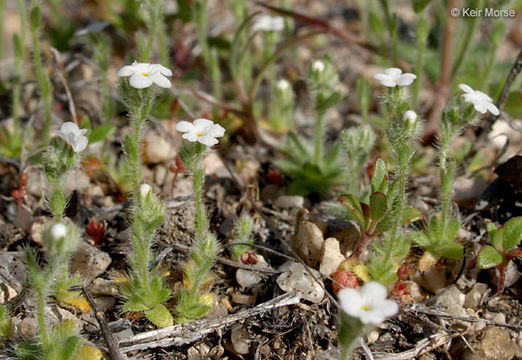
(496, 317)
(6, 293)
(198, 352)
(37, 228)
(103, 287)
(434, 279)
(372, 337)
(415, 294)
(104, 303)
(27, 328)
(475, 295)
(247, 278)
(289, 202)
(213, 165)
(156, 149)
(89, 262)
(496, 344)
(240, 339)
(331, 256)
(297, 278)
(36, 183)
(76, 180)
(308, 241)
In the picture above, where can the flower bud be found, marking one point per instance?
(58, 231)
(283, 85)
(144, 190)
(409, 119)
(318, 66)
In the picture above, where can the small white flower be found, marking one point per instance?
(201, 130)
(318, 66)
(283, 85)
(368, 304)
(268, 23)
(482, 102)
(144, 190)
(58, 231)
(410, 117)
(73, 135)
(143, 75)
(393, 77)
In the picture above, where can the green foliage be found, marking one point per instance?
(357, 142)
(5, 322)
(440, 240)
(192, 304)
(307, 175)
(243, 234)
(504, 241)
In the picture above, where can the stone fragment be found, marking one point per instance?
(308, 241)
(89, 262)
(240, 339)
(496, 344)
(475, 295)
(297, 278)
(156, 149)
(289, 202)
(331, 256)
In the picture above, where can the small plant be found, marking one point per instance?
(439, 239)
(63, 155)
(144, 289)
(310, 168)
(360, 311)
(503, 248)
(192, 303)
(5, 323)
(61, 341)
(242, 235)
(282, 107)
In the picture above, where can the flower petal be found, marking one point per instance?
(389, 307)
(388, 83)
(351, 301)
(139, 81)
(373, 291)
(208, 140)
(184, 126)
(127, 70)
(70, 127)
(203, 123)
(372, 317)
(190, 136)
(393, 72)
(483, 96)
(493, 109)
(381, 77)
(466, 88)
(406, 79)
(216, 130)
(164, 71)
(80, 144)
(160, 80)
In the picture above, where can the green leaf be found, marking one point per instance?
(421, 238)
(496, 238)
(330, 159)
(452, 230)
(451, 251)
(489, 257)
(411, 214)
(353, 204)
(101, 132)
(380, 176)
(419, 5)
(296, 149)
(378, 206)
(134, 304)
(159, 316)
(512, 233)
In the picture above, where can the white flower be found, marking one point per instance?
(482, 102)
(144, 190)
(410, 117)
(318, 66)
(283, 85)
(73, 135)
(143, 75)
(393, 77)
(58, 231)
(368, 304)
(268, 23)
(201, 130)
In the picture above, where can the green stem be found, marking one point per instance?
(16, 85)
(200, 221)
(421, 46)
(391, 29)
(319, 138)
(466, 40)
(40, 314)
(399, 204)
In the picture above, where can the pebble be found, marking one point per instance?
(297, 278)
(289, 202)
(89, 262)
(475, 295)
(76, 180)
(240, 339)
(308, 241)
(103, 287)
(496, 344)
(331, 256)
(156, 149)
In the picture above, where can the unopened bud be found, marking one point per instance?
(58, 231)
(318, 66)
(144, 190)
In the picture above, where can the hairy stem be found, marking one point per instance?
(318, 150)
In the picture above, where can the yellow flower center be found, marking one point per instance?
(200, 134)
(145, 74)
(365, 308)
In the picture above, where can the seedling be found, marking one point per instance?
(242, 234)
(312, 170)
(503, 248)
